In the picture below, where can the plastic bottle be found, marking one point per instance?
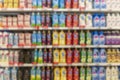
(69, 20)
(102, 20)
(49, 38)
(96, 20)
(43, 73)
(88, 38)
(34, 3)
(49, 3)
(63, 73)
(55, 19)
(57, 74)
(82, 73)
(44, 38)
(55, 38)
(102, 73)
(75, 19)
(34, 38)
(55, 3)
(6, 58)
(68, 38)
(38, 74)
(75, 38)
(69, 73)
(103, 4)
(14, 74)
(45, 56)
(10, 39)
(62, 19)
(38, 20)
(15, 39)
(89, 55)
(5, 41)
(1, 74)
(40, 56)
(69, 56)
(82, 23)
(95, 75)
(76, 56)
(35, 56)
(83, 56)
(76, 73)
(88, 4)
(108, 73)
(89, 19)
(88, 73)
(48, 20)
(1, 38)
(56, 56)
(68, 4)
(61, 38)
(82, 4)
(43, 19)
(95, 55)
(75, 4)
(22, 57)
(96, 4)
(33, 19)
(103, 56)
(39, 3)
(11, 58)
(101, 38)
(108, 38)
(19, 74)
(95, 38)
(6, 74)
(62, 56)
(39, 38)
(62, 4)
(48, 73)
(82, 38)
(50, 56)
(33, 74)
(44, 2)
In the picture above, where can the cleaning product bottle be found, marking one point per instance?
(39, 38)
(103, 56)
(55, 19)
(108, 73)
(55, 3)
(44, 3)
(34, 3)
(95, 75)
(48, 73)
(38, 74)
(49, 3)
(113, 55)
(68, 4)
(1, 74)
(88, 4)
(88, 73)
(33, 20)
(10, 41)
(89, 19)
(96, 4)
(61, 38)
(43, 73)
(62, 56)
(50, 57)
(102, 20)
(83, 56)
(82, 4)
(109, 55)
(63, 73)
(76, 56)
(38, 20)
(102, 38)
(15, 38)
(76, 73)
(55, 38)
(27, 75)
(69, 73)
(75, 19)
(89, 56)
(95, 55)
(75, 38)
(45, 56)
(62, 19)
(82, 73)
(69, 38)
(43, 19)
(88, 38)
(75, 4)
(11, 57)
(56, 56)
(69, 20)
(48, 20)
(82, 38)
(35, 56)
(102, 73)
(62, 4)
(14, 74)
(48, 38)
(39, 3)
(69, 56)
(44, 38)
(19, 74)
(103, 4)
(96, 20)
(95, 38)
(40, 56)
(82, 23)
(57, 74)
(6, 74)
(34, 37)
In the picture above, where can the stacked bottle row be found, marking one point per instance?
(16, 57)
(60, 73)
(69, 4)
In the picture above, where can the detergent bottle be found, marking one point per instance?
(55, 38)
(35, 56)
(39, 38)
(62, 56)
(102, 73)
(109, 57)
(113, 55)
(34, 38)
(62, 19)
(48, 38)
(103, 56)
(38, 74)
(95, 55)
(89, 19)
(55, 3)
(39, 3)
(55, 19)
(82, 73)
(76, 56)
(82, 38)
(69, 38)
(96, 4)
(38, 20)
(88, 4)
(61, 38)
(102, 38)
(75, 38)
(83, 56)
(69, 56)
(40, 56)
(43, 73)
(75, 4)
(75, 20)
(14, 74)
(62, 4)
(82, 20)
(88, 38)
(96, 20)
(68, 4)
(88, 73)
(76, 73)
(57, 74)
(82, 4)
(95, 75)
(48, 20)
(63, 73)
(108, 73)
(69, 73)
(6, 74)
(33, 20)
(56, 56)
(95, 38)
(89, 55)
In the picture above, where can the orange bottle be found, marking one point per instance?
(75, 20)
(69, 20)
(75, 4)
(68, 4)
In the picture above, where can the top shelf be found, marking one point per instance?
(54, 10)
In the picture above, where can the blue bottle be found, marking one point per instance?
(102, 73)
(55, 20)
(40, 56)
(95, 55)
(95, 38)
(16, 39)
(35, 56)
(34, 3)
(96, 20)
(95, 75)
(39, 38)
(38, 20)
(62, 4)
(101, 38)
(39, 3)
(33, 20)
(102, 20)
(62, 20)
(103, 4)
(34, 38)
(96, 4)
(55, 3)
(103, 56)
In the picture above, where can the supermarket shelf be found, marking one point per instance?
(63, 64)
(59, 28)
(64, 46)
(53, 10)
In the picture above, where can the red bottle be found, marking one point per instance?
(48, 73)
(69, 73)
(75, 38)
(75, 20)
(69, 20)
(69, 38)
(50, 56)
(76, 56)
(76, 73)
(43, 19)
(69, 56)
(45, 56)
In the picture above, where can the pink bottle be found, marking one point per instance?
(69, 38)
(76, 56)
(75, 38)
(69, 20)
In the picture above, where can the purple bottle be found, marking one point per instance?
(44, 2)
(50, 56)
(117, 38)
(43, 38)
(113, 38)
(108, 38)
(48, 38)
(45, 56)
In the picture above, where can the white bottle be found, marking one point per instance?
(16, 57)
(1, 56)
(11, 57)
(1, 74)
(117, 20)
(82, 20)
(1, 39)
(5, 41)
(6, 57)
(88, 4)
(108, 20)
(14, 74)
(82, 4)
(88, 20)
(113, 71)
(6, 74)
(116, 73)
(113, 20)
(108, 73)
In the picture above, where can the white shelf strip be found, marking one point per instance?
(63, 64)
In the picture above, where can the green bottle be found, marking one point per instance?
(88, 73)
(33, 74)
(82, 38)
(88, 38)
(82, 73)
(89, 56)
(83, 56)
(35, 56)
(38, 74)
(40, 56)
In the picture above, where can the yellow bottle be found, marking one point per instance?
(113, 55)
(117, 55)
(62, 56)
(109, 59)
(56, 56)
(56, 73)
(61, 38)
(55, 38)
(63, 73)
